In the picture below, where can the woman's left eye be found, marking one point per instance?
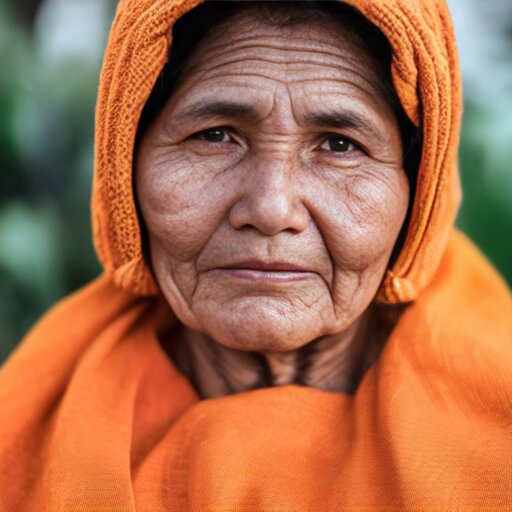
(338, 144)
(214, 135)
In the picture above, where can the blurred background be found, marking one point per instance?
(50, 53)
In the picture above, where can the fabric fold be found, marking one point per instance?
(108, 423)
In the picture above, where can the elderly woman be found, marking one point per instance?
(287, 320)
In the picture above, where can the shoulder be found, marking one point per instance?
(456, 337)
(64, 332)
(469, 296)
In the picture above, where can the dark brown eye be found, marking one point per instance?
(338, 144)
(213, 135)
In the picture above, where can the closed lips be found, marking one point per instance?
(262, 266)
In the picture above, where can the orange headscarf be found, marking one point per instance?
(95, 417)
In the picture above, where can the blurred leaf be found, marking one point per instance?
(29, 248)
(485, 156)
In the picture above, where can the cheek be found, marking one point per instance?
(181, 204)
(360, 222)
(363, 215)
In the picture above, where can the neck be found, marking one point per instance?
(330, 363)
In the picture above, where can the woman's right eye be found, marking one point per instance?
(213, 135)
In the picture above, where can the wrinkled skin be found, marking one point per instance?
(278, 149)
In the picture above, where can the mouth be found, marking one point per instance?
(266, 271)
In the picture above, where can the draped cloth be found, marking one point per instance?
(94, 416)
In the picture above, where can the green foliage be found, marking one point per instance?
(46, 143)
(485, 161)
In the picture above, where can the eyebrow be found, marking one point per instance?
(202, 109)
(341, 120)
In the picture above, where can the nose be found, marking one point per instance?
(271, 201)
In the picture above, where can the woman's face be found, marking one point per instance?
(272, 185)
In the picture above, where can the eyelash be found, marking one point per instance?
(201, 133)
(346, 140)
(326, 139)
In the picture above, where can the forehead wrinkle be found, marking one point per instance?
(285, 55)
(366, 97)
(242, 24)
(288, 46)
(283, 76)
(348, 70)
(336, 40)
(332, 68)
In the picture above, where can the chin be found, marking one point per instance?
(260, 344)
(260, 331)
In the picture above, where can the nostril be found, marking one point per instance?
(270, 214)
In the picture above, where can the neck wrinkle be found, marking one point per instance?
(332, 363)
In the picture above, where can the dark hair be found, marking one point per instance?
(191, 28)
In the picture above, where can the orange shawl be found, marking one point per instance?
(95, 417)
